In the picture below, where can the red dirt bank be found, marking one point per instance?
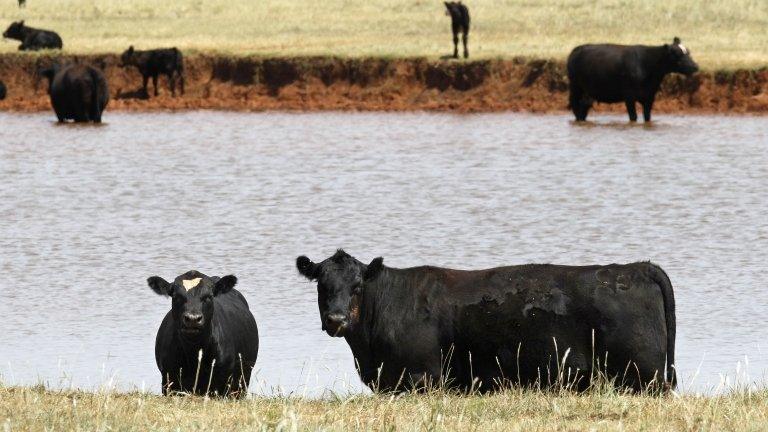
(312, 84)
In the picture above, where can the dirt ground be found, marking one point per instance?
(375, 84)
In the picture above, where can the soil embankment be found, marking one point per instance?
(311, 84)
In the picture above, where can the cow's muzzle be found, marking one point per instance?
(336, 325)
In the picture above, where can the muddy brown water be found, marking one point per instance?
(88, 213)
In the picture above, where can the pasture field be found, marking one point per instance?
(722, 34)
(32, 409)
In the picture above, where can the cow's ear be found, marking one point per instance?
(373, 269)
(224, 285)
(160, 286)
(21, 23)
(306, 267)
(676, 40)
(130, 49)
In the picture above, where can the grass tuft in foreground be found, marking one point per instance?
(36, 408)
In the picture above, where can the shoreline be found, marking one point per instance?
(310, 84)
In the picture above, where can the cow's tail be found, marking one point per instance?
(659, 276)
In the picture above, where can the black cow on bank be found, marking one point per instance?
(3, 90)
(32, 39)
(151, 63)
(459, 14)
(622, 73)
(529, 325)
(208, 341)
(78, 92)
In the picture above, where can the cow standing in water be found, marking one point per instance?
(623, 73)
(208, 342)
(78, 92)
(152, 63)
(530, 325)
(459, 24)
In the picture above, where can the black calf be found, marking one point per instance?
(152, 63)
(459, 23)
(32, 39)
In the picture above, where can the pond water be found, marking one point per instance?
(88, 213)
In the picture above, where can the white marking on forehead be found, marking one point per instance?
(683, 48)
(191, 283)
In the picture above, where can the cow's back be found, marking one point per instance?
(604, 71)
(554, 289)
(525, 314)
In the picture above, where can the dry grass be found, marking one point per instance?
(37, 409)
(722, 34)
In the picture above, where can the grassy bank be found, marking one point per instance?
(38, 409)
(721, 34)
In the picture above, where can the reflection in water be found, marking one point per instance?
(88, 213)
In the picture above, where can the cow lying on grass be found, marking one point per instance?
(78, 92)
(32, 39)
(459, 24)
(151, 63)
(531, 325)
(623, 73)
(208, 342)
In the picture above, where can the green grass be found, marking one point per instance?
(721, 33)
(30, 409)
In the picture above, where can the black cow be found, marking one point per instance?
(3, 90)
(78, 92)
(151, 63)
(32, 39)
(622, 73)
(208, 341)
(459, 24)
(530, 325)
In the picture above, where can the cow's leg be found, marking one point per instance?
(172, 83)
(647, 107)
(144, 82)
(154, 84)
(181, 82)
(464, 40)
(455, 43)
(579, 107)
(631, 110)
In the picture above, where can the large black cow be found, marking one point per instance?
(78, 92)
(151, 63)
(32, 39)
(532, 325)
(622, 73)
(459, 14)
(208, 341)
